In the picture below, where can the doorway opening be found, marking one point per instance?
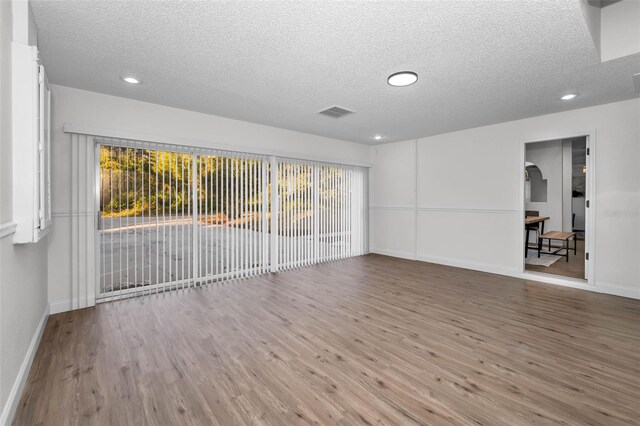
(556, 207)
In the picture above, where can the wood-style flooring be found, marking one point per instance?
(369, 340)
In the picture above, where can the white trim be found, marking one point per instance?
(590, 224)
(60, 306)
(401, 208)
(522, 159)
(10, 407)
(8, 228)
(416, 201)
(445, 209)
(118, 134)
(70, 305)
(96, 224)
(466, 210)
(475, 266)
(553, 279)
(632, 293)
(42, 232)
(72, 214)
(604, 288)
(393, 253)
(590, 241)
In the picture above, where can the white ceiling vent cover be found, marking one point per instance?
(335, 112)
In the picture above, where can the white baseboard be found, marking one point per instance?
(483, 267)
(632, 293)
(10, 407)
(599, 287)
(393, 253)
(69, 305)
(60, 306)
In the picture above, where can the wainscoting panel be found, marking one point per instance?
(483, 239)
(392, 231)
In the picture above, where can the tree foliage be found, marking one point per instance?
(140, 182)
(146, 183)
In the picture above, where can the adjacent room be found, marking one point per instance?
(555, 190)
(332, 213)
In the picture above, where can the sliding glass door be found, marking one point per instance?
(146, 216)
(321, 212)
(177, 217)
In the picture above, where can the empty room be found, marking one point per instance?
(319, 212)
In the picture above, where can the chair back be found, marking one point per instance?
(535, 226)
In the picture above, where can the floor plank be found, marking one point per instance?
(368, 340)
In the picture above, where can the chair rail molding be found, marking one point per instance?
(391, 208)
(446, 209)
(7, 228)
(466, 210)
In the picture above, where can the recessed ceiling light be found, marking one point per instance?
(377, 137)
(568, 96)
(131, 80)
(402, 78)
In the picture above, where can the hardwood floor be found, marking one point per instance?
(574, 268)
(366, 340)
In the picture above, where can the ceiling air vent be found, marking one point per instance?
(335, 112)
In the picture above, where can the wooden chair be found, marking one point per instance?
(533, 227)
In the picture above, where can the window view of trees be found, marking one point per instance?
(181, 217)
(141, 182)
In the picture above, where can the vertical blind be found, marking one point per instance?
(320, 213)
(177, 217)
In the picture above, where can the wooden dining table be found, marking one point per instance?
(532, 220)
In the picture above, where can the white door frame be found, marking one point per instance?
(96, 236)
(590, 197)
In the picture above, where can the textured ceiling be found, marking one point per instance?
(279, 62)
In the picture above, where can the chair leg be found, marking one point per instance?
(539, 245)
(575, 246)
(566, 244)
(526, 244)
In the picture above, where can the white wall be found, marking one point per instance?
(619, 32)
(469, 216)
(98, 110)
(67, 265)
(548, 156)
(567, 185)
(23, 280)
(578, 207)
(392, 188)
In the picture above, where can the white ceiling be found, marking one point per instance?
(279, 62)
